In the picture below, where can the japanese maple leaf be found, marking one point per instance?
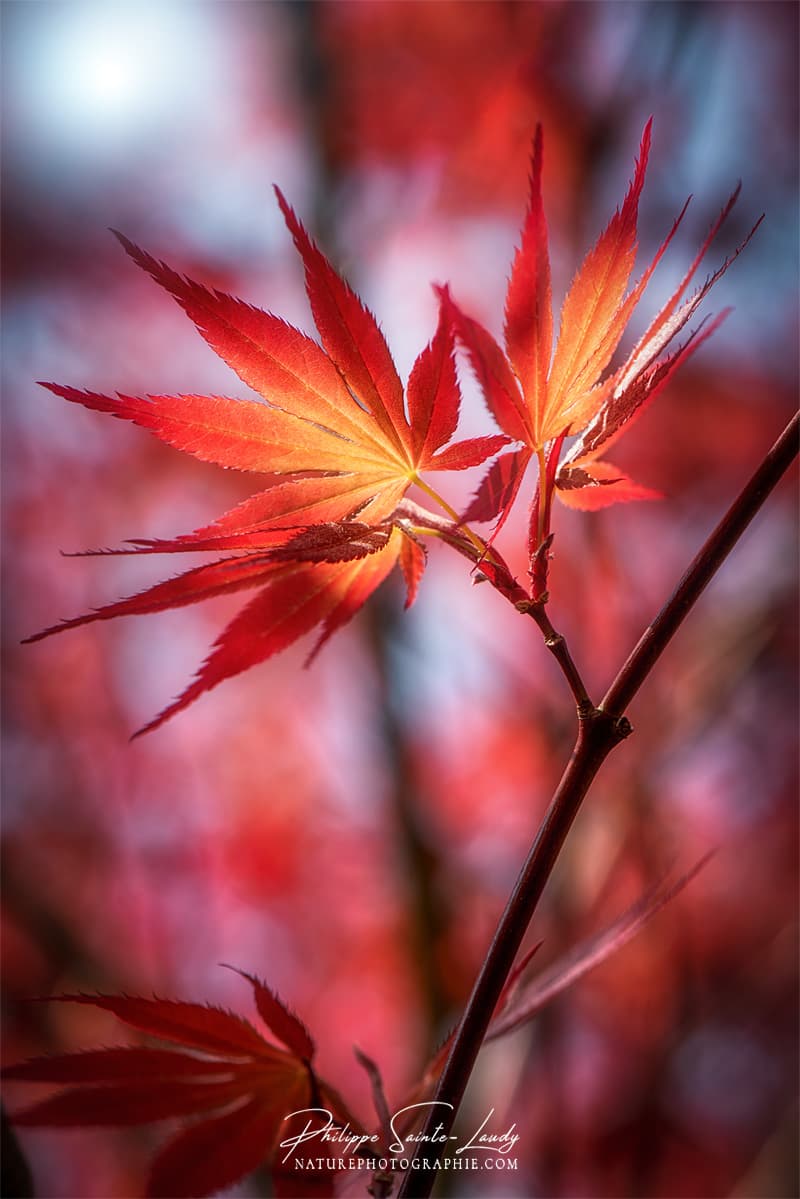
(540, 393)
(320, 577)
(335, 410)
(335, 437)
(236, 1086)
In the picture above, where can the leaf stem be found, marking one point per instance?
(541, 458)
(477, 541)
(599, 731)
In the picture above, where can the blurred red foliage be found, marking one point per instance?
(351, 832)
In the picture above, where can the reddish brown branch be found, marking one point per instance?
(560, 651)
(599, 730)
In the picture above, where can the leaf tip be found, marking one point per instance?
(284, 205)
(128, 246)
(151, 724)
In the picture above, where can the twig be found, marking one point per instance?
(557, 645)
(599, 731)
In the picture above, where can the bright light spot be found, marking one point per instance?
(96, 82)
(108, 78)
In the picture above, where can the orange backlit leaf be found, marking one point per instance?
(493, 371)
(580, 468)
(534, 400)
(239, 433)
(529, 304)
(433, 393)
(296, 599)
(355, 344)
(302, 501)
(593, 317)
(323, 578)
(338, 451)
(351, 336)
(200, 583)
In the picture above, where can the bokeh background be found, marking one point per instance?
(350, 832)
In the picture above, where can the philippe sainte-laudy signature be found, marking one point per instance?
(347, 1141)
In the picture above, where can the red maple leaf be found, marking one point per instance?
(235, 1085)
(539, 393)
(331, 432)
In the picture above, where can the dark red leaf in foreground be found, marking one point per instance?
(131, 1102)
(281, 1022)
(217, 1152)
(238, 1092)
(111, 1065)
(200, 1026)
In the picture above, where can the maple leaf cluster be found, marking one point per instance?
(340, 441)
